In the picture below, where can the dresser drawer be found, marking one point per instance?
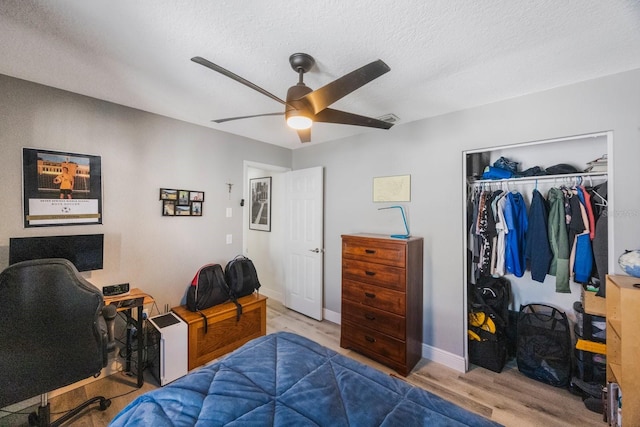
(373, 318)
(378, 274)
(388, 253)
(372, 342)
(374, 296)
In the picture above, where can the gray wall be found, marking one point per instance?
(140, 153)
(431, 151)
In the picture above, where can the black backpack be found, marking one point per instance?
(208, 288)
(241, 277)
(488, 300)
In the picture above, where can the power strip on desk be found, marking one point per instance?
(114, 290)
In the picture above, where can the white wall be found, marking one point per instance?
(431, 151)
(140, 153)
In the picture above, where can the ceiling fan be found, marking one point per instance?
(303, 105)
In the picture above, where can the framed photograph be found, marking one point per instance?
(168, 208)
(183, 197)
(196, 208)
(168, 194)
(196, 196)
(183, 210)
(260, 208)
(61, 188)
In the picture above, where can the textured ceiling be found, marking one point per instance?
(445, 55)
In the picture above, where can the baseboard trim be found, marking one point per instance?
(445, 358)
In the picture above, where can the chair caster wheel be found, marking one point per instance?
(104, 404)
(34, 420)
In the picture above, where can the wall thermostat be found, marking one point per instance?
(113, 290)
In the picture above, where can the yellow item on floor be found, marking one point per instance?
(473, 336)
(591, 346)
(482, 321)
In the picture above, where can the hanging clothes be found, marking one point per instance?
(581, 260)
(502, 230)
(600, 241)
(484, 261)
(516, 219)
(558, 240)
(537, 250)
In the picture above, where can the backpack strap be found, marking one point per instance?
(206, 326)
(237, 266)
(220, 276)
(238, 308)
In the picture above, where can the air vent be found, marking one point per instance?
(389, 118)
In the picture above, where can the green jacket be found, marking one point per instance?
(559, 241)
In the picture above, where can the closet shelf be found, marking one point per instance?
(541, 178)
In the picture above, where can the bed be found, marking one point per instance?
(284, 379)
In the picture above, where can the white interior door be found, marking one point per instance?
(304, 250)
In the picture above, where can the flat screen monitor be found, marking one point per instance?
(85, 251)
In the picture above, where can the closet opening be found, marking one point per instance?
(535, 172)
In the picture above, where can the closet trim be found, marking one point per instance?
(466, 187)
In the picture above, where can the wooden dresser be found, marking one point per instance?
(382, 299)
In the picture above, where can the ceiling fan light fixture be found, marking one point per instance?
(298, 121)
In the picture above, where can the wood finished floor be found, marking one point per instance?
(508, 398)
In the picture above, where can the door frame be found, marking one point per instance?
(272, 169)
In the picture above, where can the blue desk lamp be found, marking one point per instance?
(404, 218)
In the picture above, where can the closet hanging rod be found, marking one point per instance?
(541, 178)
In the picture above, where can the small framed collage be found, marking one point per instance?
(181, 202)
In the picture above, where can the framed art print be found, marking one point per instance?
(61, 188)
(260, 208)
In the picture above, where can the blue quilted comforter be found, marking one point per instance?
(284, 379)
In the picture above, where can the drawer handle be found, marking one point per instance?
(369, 316)
(369, 295)
(370, 273)
(370, 251)
(370, 339)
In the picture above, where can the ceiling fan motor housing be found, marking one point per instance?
(293, 104)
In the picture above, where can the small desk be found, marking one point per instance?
(139, 300)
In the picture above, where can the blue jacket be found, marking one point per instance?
(516, 220)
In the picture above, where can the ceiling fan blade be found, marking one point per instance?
(305, 135)
(329, 115)
(247, 117)
(321, 98)
(224, 71)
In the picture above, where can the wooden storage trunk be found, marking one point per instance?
(224, 334)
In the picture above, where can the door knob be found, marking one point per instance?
(316, 250)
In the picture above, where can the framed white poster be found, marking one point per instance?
(392, 188)
(61, 188)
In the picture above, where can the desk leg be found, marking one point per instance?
(128, 342)
(140, 347)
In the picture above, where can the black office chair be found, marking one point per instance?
(52, 334)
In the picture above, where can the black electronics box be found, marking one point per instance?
(113, 290)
